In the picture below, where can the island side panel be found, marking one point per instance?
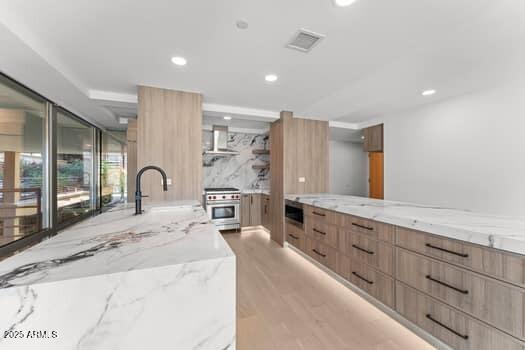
(180, 306)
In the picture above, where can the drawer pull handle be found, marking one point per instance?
(293, 236)
(462, 291)
(320, 232)
(362, 249)
(361, 277)
(318, 214)
(362, 226)
(319, 253)
(446, 327)
(446, 250)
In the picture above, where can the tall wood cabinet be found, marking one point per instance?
(169, 135)
(299, 160)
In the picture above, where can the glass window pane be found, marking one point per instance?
(22, 163)
(112, 171)
(74, 167)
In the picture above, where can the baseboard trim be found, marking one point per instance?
(429, 338)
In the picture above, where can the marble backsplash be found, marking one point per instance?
(237, 171)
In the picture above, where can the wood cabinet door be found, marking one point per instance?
(494, 302)
(245, 210)
(449, 325)
(255, 209)
(373, 139)
(265, 211)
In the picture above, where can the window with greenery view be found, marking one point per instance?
(75, 141)
(112, 171)
(22, 163)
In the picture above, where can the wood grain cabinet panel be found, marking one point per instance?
(322, 215)
(502, 265)
(376, 253)
(492, 301)
(265, 211)
(373, 138)
(255, 209)
(452, 327)
(295, 236)
(323, 232)
(169, 135)
(375, 283)
(322, 253)
(245, 210)
(371, 228)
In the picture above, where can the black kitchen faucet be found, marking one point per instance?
(138, 192)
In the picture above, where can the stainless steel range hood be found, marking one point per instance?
(220, 142)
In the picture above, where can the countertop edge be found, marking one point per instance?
(505, 243)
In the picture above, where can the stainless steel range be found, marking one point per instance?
(223, 206)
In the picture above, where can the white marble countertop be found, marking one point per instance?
(166, 234)
(484, 229)
(257, 191)
(162, 280)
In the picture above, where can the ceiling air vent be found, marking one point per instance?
(304, 40)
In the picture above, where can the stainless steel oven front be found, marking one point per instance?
(224, 214)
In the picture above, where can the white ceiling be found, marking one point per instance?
(377, 57)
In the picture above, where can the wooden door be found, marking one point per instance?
(376, 175)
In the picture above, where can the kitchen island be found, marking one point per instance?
(161, 280)
(455, 277)
(484, 229)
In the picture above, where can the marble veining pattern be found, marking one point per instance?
(236, 171)
(165, 279)
(483, 229)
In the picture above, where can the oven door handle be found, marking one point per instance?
(221, 203)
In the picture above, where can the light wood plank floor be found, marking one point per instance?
(285, 302)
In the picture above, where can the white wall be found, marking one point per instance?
(348, 168)
(467, 152)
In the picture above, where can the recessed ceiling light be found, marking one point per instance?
(343, 3)
(227, 117)
(428, 92)
(179, 61)
(270, 78)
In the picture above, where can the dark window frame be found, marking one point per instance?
(51, 170)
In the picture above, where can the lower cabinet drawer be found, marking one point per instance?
(322, 215)
(489, 261)
(497, 303)
(295, 236)
(371, 228)
(321, 231)
(323, 253)
(376, 253)
(375, 283)
(452, 327)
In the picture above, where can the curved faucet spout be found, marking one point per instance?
(138, 191)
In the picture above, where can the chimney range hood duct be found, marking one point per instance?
(220, 142)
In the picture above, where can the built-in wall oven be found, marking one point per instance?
(294, 214)
(223, 206)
